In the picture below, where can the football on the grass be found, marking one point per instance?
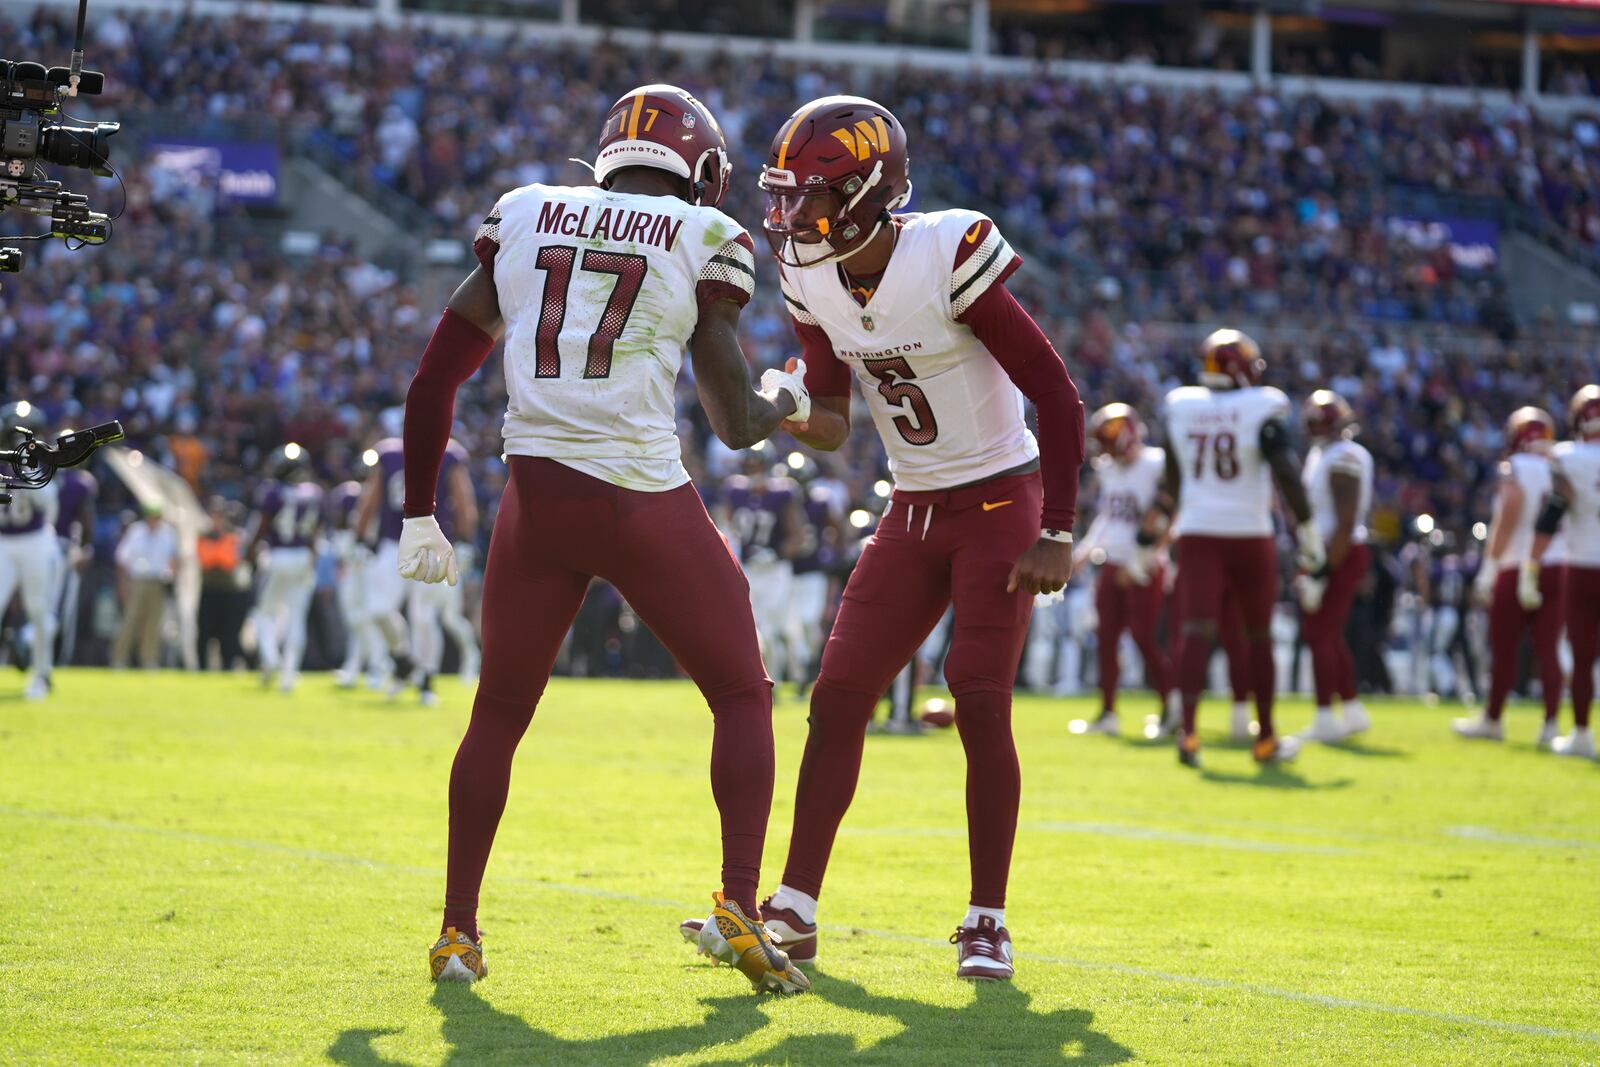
(939, 712)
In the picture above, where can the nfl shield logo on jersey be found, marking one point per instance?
(867, 323)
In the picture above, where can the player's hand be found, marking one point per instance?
(1311, 591)
(1137, 569)
(1309, 552)
(426, 554)
(791, 380)
(1528, 594)
(1483, 585)
(1045, 567)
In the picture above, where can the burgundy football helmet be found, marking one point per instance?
(1583, 417)
(1530, 429)
(664, 127)
(1116, 431)
(1231, 360)
(1327, 416)
(836, 170)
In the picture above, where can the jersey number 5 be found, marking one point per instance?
(556, 261)
(1224, 452)
(894, 385)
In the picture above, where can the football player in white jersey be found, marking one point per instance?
(598, 290)
(1129, 588)
(30, 556)
(1338, 479)
(1518, 603)
(913, 307)
(1575, 501)
(1227, 446)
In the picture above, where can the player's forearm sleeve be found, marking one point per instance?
(825, 374)
(456, 351)
(1018, 345)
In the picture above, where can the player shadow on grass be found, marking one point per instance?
(1272, 776)
(996, 1027)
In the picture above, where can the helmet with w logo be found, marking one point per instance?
(1583, 417)
(662, 126)
(1327, 416)
(1230, 359)
(837, 167)
(1115, 430)
(1530, 429)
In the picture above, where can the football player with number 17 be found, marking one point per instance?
(915, 309)
(598, 291)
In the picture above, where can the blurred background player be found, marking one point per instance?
(380, 518)
(287, 520)
(363, 644)
(432, 608)
(30, 557)
(762, 510)
(914, 307)
(1521, 600)
(1575, 501)
(76, 492)
(1338, 481)
(597, 485)
(822, 537)
(1129, 587)
(1227, 445)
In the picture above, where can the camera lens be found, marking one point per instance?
(88, 147)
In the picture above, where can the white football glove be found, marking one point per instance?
(1528, 594)
(1309, 552)
(792, 382)
(1483, 585)
(1311, 591)
(1139, 566)
(425, 553)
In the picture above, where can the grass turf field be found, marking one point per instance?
(198, 871)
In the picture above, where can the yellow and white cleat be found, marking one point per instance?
(730, 936)
(457, 958)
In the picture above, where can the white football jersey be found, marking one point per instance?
(1215, 437)
(1343, 457)
(948, 413)
(1532, 473)
(1579, 463)
(600, 292)
(1126, 493)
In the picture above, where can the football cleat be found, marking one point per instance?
(1243, 727)
(730, 936)
(1276, 749)
(1108, 724)
(1548, 733)
(38, 688)
(1325, 728)
(1188, 749)
(1580, 742)
(457, 958)
(983, 951)
(344, 679)
(1356, 719)
(1479, 728)
(783, 925)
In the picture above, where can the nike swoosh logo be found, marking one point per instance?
(990, 507)
(972, 234)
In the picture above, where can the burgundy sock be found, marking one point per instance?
(480, 778)
(741, 783)
(828, 773)
(994, 791)
(1263, 679)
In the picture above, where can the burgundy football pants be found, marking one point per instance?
(1212, 572)
(556, 530)
(930, 549)
(1507, 621)
(1135, 609)
(1583, 634)
(1333, 667)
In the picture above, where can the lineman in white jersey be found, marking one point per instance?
(1227, 446)
(1129, 587)
(1574, 509)
(1338, 479)
(598, 292)
(914, 309)
(1521, 599)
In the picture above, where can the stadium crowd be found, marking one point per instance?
(1151, 214)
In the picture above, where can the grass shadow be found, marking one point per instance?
(1272, 776)
(1361, 748)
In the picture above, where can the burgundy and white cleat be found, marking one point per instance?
(983, 951)
(796, 937)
